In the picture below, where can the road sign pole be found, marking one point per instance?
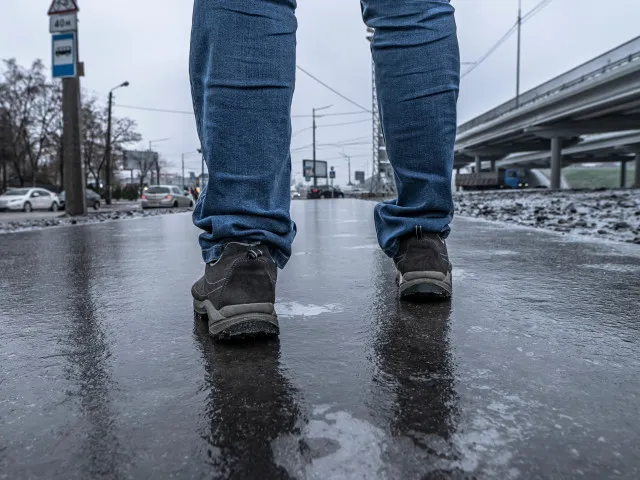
(63, 25)
(75, 203)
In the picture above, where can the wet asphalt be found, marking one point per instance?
(532, 371)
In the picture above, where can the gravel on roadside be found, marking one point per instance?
(608, 214)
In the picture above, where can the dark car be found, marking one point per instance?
(93, 199)
(324, 191)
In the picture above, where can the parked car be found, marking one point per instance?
(167, 196)
(93, 199)
(28, 199)
(324, 191)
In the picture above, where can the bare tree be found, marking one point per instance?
(33, 109)
(94, 131)
(93, 137)
(22, 92)
(40, 142)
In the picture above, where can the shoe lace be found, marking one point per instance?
(253, 254)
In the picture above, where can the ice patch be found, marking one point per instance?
(335, 446)
(614, 267)
(461, 274)
(295, 309)
(369, 246)
(503, 252)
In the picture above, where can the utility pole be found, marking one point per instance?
(107, 173)
(315, 179)
(107, 183)
(157, 166)
(183, 171)
(519, 53)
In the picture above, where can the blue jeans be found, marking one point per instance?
(242, 68)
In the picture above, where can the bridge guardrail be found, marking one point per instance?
(605, 63)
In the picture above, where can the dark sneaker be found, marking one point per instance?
(424, 270)
(237, 293)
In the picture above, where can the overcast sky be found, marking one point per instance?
(147, 42)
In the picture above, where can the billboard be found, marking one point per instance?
(359, 176)
(321, 168)
(139, 160)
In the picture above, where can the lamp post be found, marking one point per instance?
(108, 144)
(349, 163)
(315, 179)
(151, 142)
(184, 155)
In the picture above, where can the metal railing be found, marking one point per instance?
(605, 63)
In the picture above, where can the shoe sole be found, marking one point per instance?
(424, 286)
(238, 322)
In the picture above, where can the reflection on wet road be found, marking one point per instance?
(532, 369)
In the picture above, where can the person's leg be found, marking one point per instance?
(242, 69)
(415, 49)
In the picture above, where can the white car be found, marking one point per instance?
(29, 199)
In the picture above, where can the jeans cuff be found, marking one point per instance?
(212, 254)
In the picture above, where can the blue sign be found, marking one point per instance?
(63, 53)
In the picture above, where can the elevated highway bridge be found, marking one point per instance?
(599, 96)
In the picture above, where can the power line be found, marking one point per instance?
(149, 109)
(330, 125)
(320, 115)
(332, 89)
(185, 112)
(367, 120)
(534, 11)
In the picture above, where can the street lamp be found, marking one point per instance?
(349, 162)
(184, 155)
(315, 179)
(151, 142)
(108, 145)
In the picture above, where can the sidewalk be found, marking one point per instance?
(531, 371)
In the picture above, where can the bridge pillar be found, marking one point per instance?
(623, 174)
(493, 165)
(637, 182)
(478, 164)
(556, 162)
